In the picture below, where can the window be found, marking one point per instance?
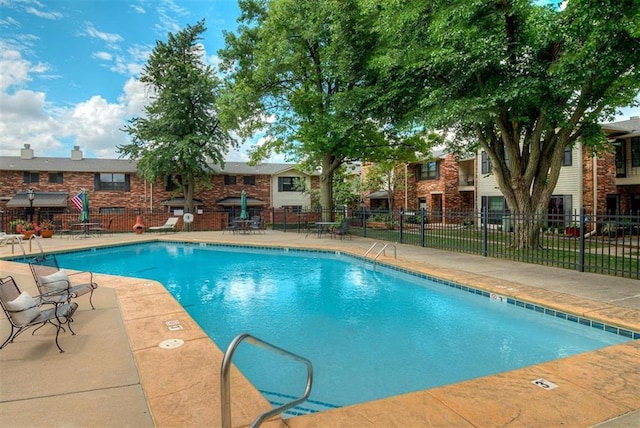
(249, 180)
(635, 151)
(486, 166)
(111, 210)
(172, 182)
(292, 208)
(621, 158)
(31, 177)
(286, 184)
(55, 177)
(429, 171)
(229, 179)
(567, 160)
(111, 181)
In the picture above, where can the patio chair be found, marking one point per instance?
(231, 227)
(55, 285)
(23, 312)
(101, 230)
(6, 238)
(342, 230)
(169, 226)
(255, 225)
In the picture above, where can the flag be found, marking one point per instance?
(77, 201)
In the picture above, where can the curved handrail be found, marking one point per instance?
(225, 387)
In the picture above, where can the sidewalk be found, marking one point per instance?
(113, 373)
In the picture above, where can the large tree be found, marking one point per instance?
(520, 80)
(298, 72)
(180, 137)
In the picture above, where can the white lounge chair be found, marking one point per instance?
(169, 226)
(5, 238)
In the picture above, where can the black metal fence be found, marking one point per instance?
(602, 243)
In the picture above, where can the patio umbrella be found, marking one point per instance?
(84, 212)
(243, 205)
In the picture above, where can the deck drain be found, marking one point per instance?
(171, 343)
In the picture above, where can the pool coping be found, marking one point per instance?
(183, 389)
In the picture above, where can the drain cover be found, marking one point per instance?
(171, 343)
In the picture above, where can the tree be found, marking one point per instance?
(520, 80)
(180, 137)
(388, 176)
(298, 71)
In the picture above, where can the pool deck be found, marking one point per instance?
(113, 372)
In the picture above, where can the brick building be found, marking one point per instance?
(114, 186)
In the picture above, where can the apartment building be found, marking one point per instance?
(609, 182)
(114, 185)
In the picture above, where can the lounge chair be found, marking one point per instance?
(6, 238)
(55, 285)
(23, 311)
(342, 230)
(169, 226)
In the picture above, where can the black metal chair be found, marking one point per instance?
(342, 230)
(23, 311)
(101, 230)
(55, 285)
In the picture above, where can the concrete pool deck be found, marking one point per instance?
(114, 374)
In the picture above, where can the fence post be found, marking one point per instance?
(423, 221)
(401, 224)
(582, 249)
(485, 231)
(364, 221)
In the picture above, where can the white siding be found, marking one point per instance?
(569, 181)
(290, 198)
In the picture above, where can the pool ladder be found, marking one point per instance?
(225, 386)
(382, 251)
(32, 238)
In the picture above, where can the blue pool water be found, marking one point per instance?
(369, 334)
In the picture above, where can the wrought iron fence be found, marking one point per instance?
(601, 243)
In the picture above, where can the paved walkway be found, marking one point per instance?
(114, 374)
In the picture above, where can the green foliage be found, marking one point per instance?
(180, 134)
(299, 73)
(517, 79)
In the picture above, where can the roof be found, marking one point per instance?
(180, 202)
(41, 199)
(16, 163)
(380, 194)
(57, 164)
(630, 127)
(233, 201)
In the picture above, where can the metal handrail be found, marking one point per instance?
(37, 239)
(225, 386)
(395, 253)
(382, 251)
(370, 249)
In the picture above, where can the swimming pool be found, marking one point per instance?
(369, 334)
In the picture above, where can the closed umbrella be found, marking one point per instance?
(243, 205)
(84, 212)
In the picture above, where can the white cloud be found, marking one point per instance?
(43, 14)
(9, 22)
(105, 56)
(91, 31)
(15, 69)
(138, 9)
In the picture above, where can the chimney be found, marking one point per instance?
(76, 153)
(27, 152)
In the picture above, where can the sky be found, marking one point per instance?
(69, 68)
